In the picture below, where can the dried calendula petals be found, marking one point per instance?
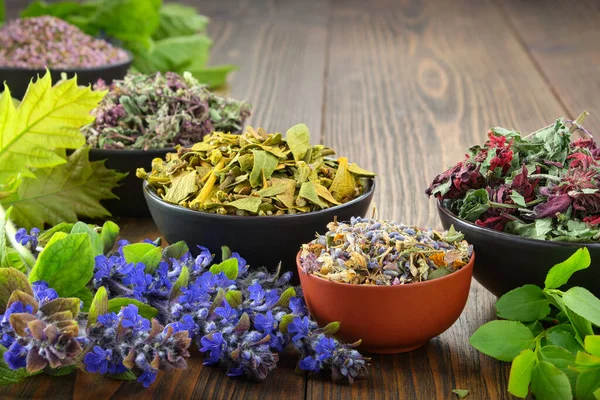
(256, 173)
(370, 252)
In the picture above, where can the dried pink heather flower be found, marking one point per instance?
(49, 42)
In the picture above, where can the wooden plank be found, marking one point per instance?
(410, 85)
(279, 47)
(564, 40)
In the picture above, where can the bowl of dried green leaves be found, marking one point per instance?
(391, 285)
(262, 194)
(143, 117)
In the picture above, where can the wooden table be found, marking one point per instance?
(402, 88)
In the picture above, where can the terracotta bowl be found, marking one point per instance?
(388, 319)
(506, 261)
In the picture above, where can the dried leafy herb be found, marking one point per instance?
(543, 186)
(371, 252)
(256, 173)
(158, 111)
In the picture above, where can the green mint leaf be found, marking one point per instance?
(66, 264)
(176, 250)
(146, 253)
(562, 359)
(535, 327)
(284, 299)
(182, 281)
(527, 303)
(45, 236)
(285, 321)
(582, 302)
(108, 235)
(588, 384)
(146, 311)
(582, 326)
(95, 239)
(461, 393)
(12, 279)
(518, 198)
(550, 383)
(503, 340)
(474, 204)
(229, 267)
(560, 273)
(177, 54)
(99, 306)
(520, 373)
(179, 20)
(298, 138)
(234, 298)
(592, 345)
(86, 296)
(564, 336)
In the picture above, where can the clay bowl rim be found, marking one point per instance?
(468, 267)
(287, 217)
(75, 70)
(511, 236)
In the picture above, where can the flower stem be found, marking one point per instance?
(11, 232)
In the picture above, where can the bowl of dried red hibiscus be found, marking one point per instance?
(390, 285)
(526, 203)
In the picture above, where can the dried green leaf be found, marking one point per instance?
(298, 137)
(344, 183)
(182, 187)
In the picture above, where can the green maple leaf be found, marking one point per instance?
(49, 118)
(64, 192)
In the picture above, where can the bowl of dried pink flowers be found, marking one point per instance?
(391, 285)
(143, 117)
(526, 203)
(30, 45)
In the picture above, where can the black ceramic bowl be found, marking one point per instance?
(262, 241)
(131, 202)
(506, 261)
(18, 78)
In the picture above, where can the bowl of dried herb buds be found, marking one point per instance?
(30, 45)
(526, 203)
(260, 193)
(143, 117)
(390, 285)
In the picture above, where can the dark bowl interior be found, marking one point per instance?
(262, 241)
(505, 261)
(131, 202)
(18, 78)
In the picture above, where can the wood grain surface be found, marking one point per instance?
(402, 88)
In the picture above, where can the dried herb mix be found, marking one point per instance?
(49, 42)
(372, 252)
(158, 111)
(256, 173)
(543, 186)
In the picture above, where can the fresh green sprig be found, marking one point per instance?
(550, 336)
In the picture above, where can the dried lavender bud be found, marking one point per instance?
(50, 42)
(158, 111)
(371, 252)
